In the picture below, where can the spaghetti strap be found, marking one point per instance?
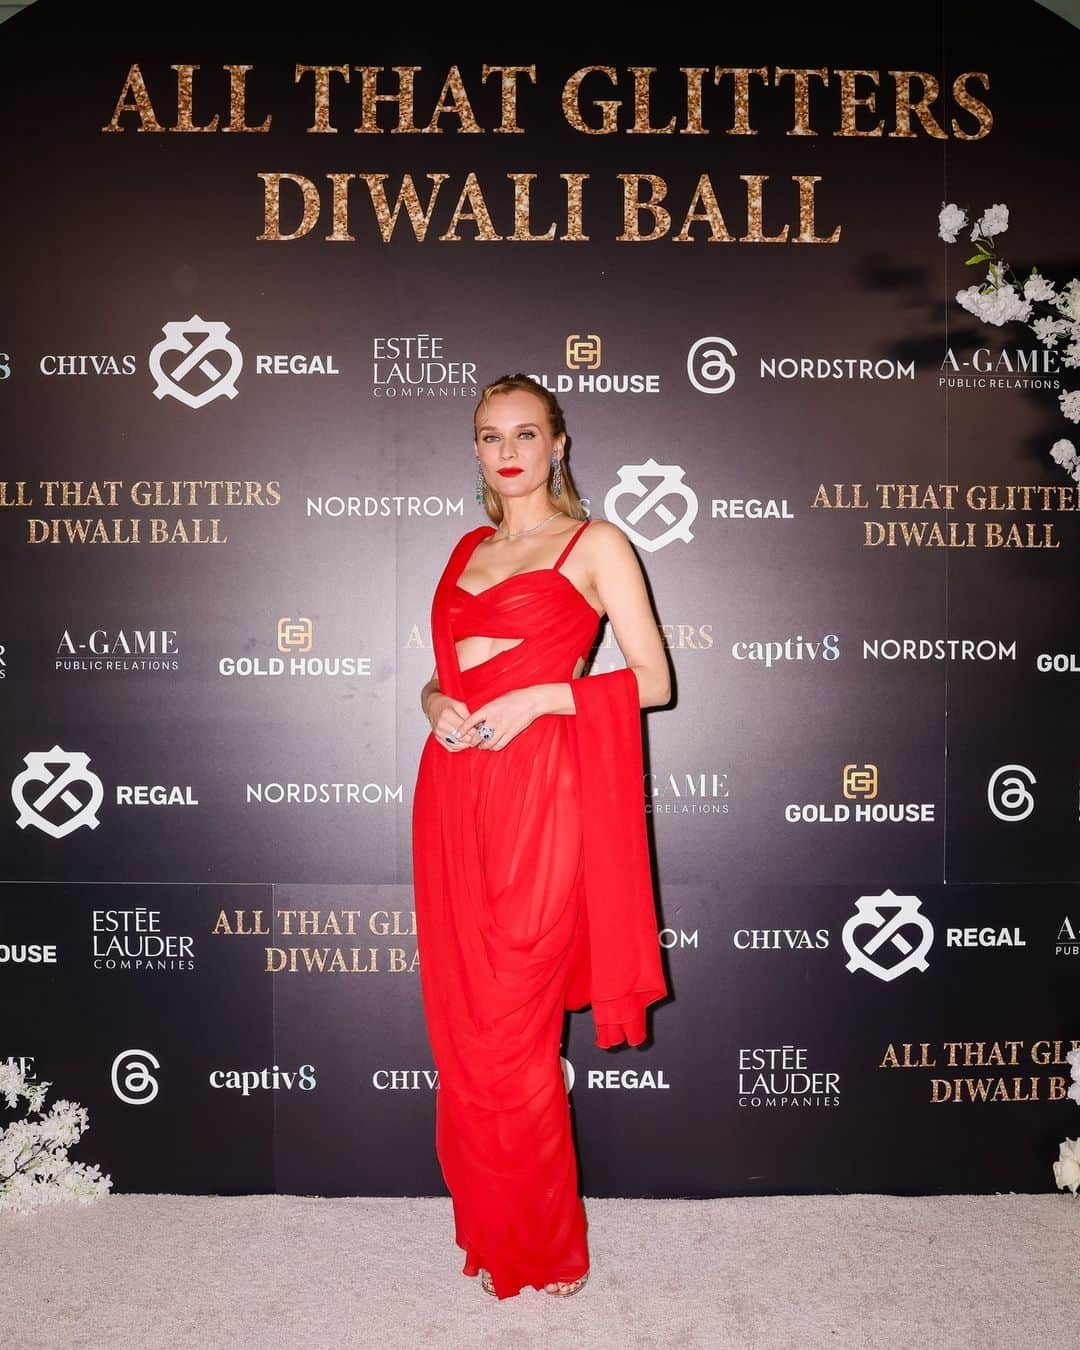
(570, 545)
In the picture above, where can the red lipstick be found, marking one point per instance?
(509, 473)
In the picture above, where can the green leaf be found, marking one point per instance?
(978, 258)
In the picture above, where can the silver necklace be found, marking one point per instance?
(508, 535)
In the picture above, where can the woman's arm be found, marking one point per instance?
(615, 572)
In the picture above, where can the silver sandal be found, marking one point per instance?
(568, 1287)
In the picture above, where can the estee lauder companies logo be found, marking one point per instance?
(133, 939)
(295, 638)
(780, 1077)
(968, 1086)
(326, 941)
(417, 366)
(859, 783)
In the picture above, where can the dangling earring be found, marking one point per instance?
(479, 483)
(556, 475)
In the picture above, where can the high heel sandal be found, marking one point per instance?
(485, 1283)
(568, 1287)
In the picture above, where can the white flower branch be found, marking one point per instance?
(1002, 298)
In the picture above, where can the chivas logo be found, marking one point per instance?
(74, 771)
(887, 915)
(196, 356)
(654, 502)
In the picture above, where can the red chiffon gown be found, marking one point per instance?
(503, 932)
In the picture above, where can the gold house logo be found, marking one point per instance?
(583, 351)
(294, 635)
(860, 780)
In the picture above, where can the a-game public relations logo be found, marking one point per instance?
(118, 651)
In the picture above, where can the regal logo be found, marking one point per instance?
(652, 502)
(60, 772)
(196, 356)
(887, 915)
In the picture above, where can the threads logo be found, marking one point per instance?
(132, 1080)
(887, 915)
(1007, 792)
(707, 366)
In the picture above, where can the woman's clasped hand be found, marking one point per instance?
(507, 715)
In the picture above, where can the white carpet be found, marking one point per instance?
(869, 1272)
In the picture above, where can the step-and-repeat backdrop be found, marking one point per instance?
(254, 281)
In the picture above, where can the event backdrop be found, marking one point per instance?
(254, 280)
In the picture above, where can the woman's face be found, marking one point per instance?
(513, 433)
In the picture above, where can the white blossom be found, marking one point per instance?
(1048, 329)
(1063, 452)
(1067, 1167)
(951, 219)
(999, 306)
(1070, 404)
(34, 1164)
(1038, 287)
(1068, 300)
(994, 220)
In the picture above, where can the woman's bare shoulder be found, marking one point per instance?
(607, 540)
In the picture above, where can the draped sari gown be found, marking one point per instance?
(511, 930)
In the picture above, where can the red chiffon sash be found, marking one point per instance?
(626, 974)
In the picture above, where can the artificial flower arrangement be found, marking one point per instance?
(34, 1165)
(1067, 1167)
(1002, 298)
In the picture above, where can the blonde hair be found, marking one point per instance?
(567, 500)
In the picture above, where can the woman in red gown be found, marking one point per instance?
(531, 872)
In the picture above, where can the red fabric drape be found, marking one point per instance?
(625, 972)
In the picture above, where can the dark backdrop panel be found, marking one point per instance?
(245, 787)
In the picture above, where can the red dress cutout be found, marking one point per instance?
(500, 864)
